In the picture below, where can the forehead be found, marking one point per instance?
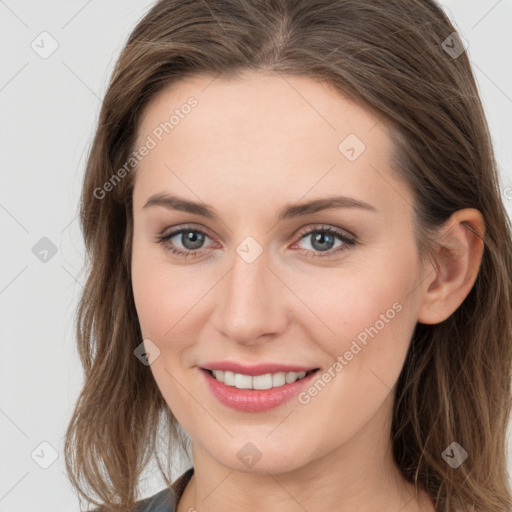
(261, 135)
(254, 104)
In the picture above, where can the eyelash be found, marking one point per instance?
(348, 242)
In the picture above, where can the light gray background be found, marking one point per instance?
(49, 109)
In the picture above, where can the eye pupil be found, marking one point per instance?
(320, 237)
(191, 236)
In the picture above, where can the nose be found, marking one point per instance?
(251, 302)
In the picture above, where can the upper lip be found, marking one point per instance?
(257, 369)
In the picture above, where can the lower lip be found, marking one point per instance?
(255, 400)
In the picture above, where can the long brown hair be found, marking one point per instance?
(402, 60)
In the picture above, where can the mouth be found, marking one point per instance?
(258, 382)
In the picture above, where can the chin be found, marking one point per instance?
(261, 455)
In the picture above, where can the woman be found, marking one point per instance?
(299, 255)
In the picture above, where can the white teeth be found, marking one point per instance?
(262, 381)
(243, 381)
(229, 378)
(278, 379)
(267, 381)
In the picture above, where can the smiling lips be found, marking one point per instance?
(255, 388)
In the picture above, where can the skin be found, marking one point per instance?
(253, 144)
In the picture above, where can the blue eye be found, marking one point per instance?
(191, 237)
(324, 238)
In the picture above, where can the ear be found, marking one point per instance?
(457, 256)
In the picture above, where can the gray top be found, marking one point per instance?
(167, 499)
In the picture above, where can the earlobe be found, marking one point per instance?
(457, 255)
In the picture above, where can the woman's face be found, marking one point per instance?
(254, 286)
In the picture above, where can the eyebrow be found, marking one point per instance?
(290, 211)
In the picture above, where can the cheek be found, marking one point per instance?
(364, 318)
(373, 321)
(167, 297)
(346, 303)
(147, 292)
